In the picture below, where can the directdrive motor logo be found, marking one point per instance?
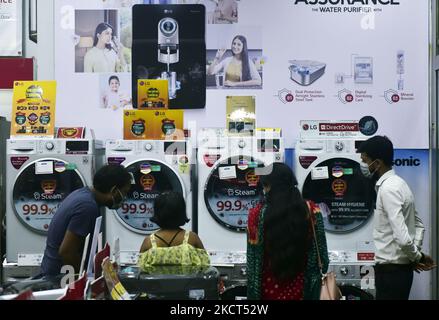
(339, 127)
(368, 125)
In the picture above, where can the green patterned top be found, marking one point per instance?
(184, 255)
(255, 257)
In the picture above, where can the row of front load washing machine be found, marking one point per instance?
(219, 179)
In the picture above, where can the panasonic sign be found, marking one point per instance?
(407, 162)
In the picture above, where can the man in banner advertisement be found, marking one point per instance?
(398, 231)
(76, 217)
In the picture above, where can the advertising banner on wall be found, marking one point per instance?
(169, 44)
(33, 110)
(153, 125)
(241, 115)
(301, 59)
(344, 60)
(11, 28)
(413, 167)
(152, 94)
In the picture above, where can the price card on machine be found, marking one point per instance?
(28, 260)
(129, 257)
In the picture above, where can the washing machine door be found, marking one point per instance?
(346, 198)
(355, 293)
(36, 197)
(151, 177)
(229, 197)
(234, 292)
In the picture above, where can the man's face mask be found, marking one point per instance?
(117, 204)
(365, 169)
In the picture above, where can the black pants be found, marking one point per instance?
(393, 281)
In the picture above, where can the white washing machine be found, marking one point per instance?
(356, 280)
(156, 166)
(228, 186)
(41, 173)
(328, 172)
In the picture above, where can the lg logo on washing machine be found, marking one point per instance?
(307, 127)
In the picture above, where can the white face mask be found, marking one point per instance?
(364, 167)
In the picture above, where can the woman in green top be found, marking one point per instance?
(171, 245)
(281, 254)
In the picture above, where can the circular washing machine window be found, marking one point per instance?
(36, 197)
(227, 198)
(346, 198)
(151, 179)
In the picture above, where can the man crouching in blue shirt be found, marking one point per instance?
(76, 216)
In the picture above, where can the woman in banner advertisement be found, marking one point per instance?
(239, 69)
(107, 52)
(114, 98)
(171, 245)
(282, 259)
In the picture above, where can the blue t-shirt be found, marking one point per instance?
(77, 213)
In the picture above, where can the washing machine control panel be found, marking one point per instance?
(241, 144)
(21, 146)
(351, 271)
(148, 147)
(50, 146)
(227, 257)
(55, 146)
(359, 275)
(339, 146)
(344, 271)
(120, 147)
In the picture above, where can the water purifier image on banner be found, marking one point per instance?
(169, 44)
